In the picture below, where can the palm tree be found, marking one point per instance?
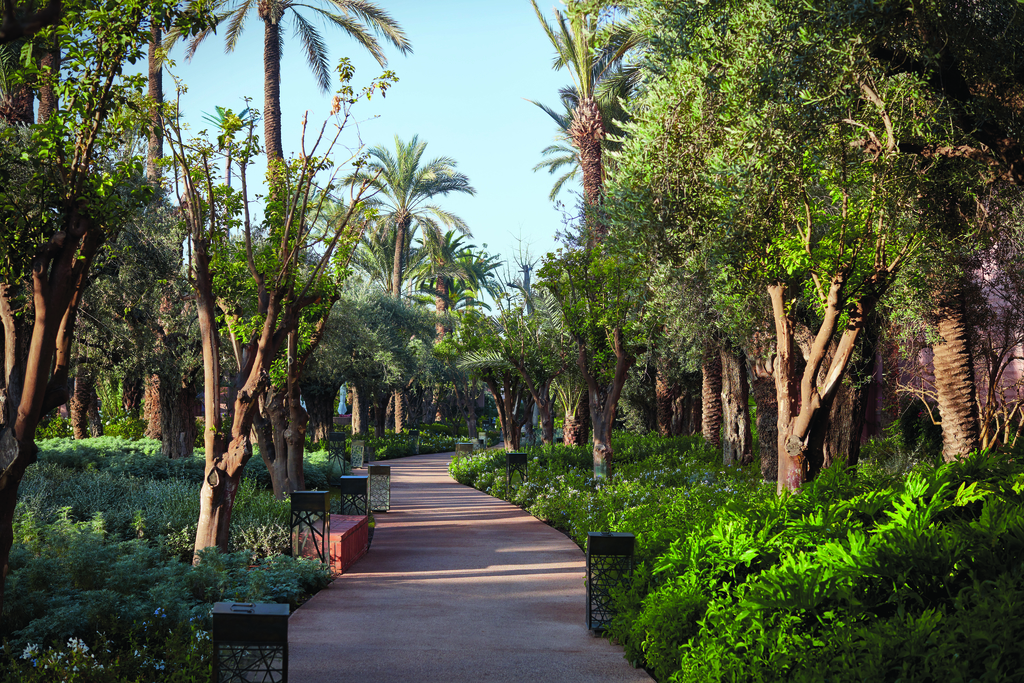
(454, 274)
(404, 185)
(374, 255)
(590, 61)
(562, 154)
(358, 18)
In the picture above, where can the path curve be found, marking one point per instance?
(457, 586)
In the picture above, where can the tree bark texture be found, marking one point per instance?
(131, 395)
(953, 361)
(401, 410)
(156, 94)
(47, 94)
(177, 417)
(737, 447)
(586, 132)
(18, 106)
(360, 410)
(151, 404)
(81, 398)
(576, 426)
(270, 14)
(37, 356)
(711, 398)
(604, 401)
(664, 396)
(766, 402)
(319, 401)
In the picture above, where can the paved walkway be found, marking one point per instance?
(457, 586)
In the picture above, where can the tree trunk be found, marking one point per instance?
(664, 397)
(429, 407)
(401, 229)
(380, 414)
(47, 94)
(576, 427)
(401, 410)
(17, 107)
(270, 14)
(95, 421)
(151, 405)
(711, 398)
(586, 132)
(320, 408)
(177, 418)
(360, 410)
(295, 431)
(736, 442)
(131, 395)
(766, 402)
(80, 400)
(954, 376)
(156, 93)
(273, 450)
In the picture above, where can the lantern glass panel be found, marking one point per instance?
(335, 455)
(354, 494)
(311, 524)
(250, 642)
(358, 453)
(609, 564)
(515, 466)
(380, 487)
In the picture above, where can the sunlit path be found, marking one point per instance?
(457, 586)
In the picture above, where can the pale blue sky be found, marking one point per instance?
(463, 90)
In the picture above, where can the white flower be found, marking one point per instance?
(76, 644)
(30, 651)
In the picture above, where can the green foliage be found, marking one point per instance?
(862, 576)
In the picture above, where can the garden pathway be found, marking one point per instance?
(457, 586)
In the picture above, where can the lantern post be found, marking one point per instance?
(609, 564)
(250, 642)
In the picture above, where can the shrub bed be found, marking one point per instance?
(864, 575)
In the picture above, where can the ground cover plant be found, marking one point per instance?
(101, 568)
(866, 574)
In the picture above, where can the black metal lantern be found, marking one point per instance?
(335, 454)
(609, 564)
(250, 642)
(414, 441)
(354, 494)
(358, 452)
(515, 463)
(481, 439)
(311, 524)
(462, 449)
(380, 487)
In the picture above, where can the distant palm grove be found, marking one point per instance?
(790, 279)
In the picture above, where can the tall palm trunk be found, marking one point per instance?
(156, 94)
(954, 375)
(270, 14)
(47, 94)
(587, 131)
(401, 231)
(711, 398)
(18, 106)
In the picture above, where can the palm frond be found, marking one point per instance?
(316, 51)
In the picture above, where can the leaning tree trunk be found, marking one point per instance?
(156, 93)
(272, 80)
(736, 442)
(711, 398)
(954, 376)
